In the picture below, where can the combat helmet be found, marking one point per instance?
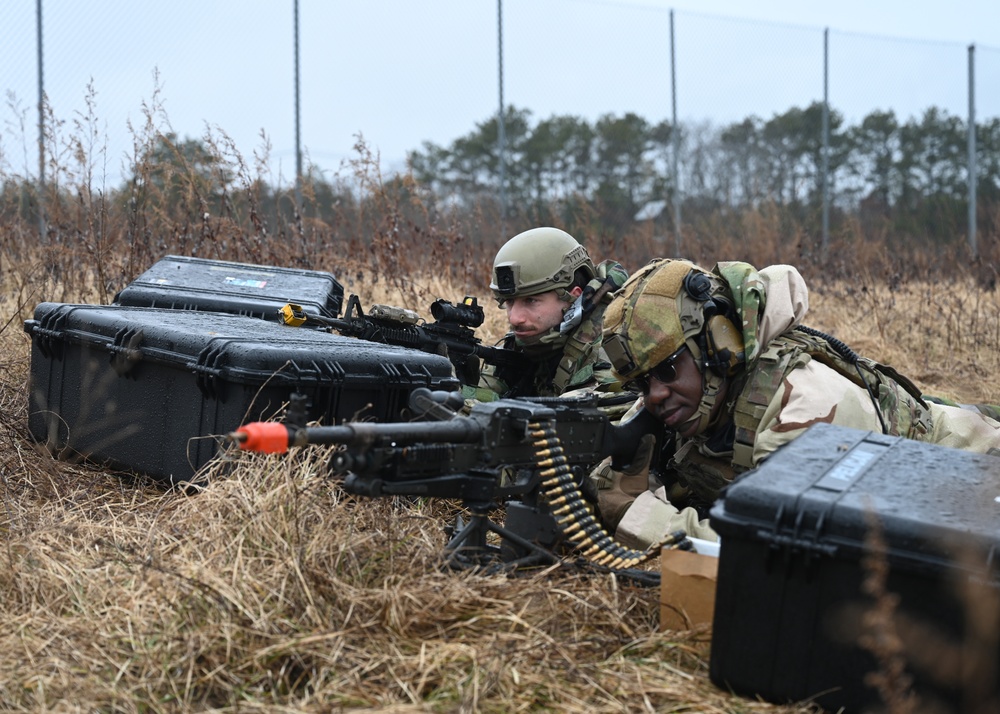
(536, 261)
(669, 305)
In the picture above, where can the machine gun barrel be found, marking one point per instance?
(274, 437)
(529, 454)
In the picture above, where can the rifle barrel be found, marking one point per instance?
(462, 430)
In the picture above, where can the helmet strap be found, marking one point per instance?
(549, 341)
(712, 384)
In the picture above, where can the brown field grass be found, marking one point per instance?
(271, 589)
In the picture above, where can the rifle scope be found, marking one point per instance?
(469, 313)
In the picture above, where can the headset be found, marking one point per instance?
(720, 342)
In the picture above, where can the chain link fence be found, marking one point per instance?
(395, 75)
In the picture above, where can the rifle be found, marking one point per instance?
(527, 455)
(451, 334)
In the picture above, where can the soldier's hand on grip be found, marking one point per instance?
(616, 490)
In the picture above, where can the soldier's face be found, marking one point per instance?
(534, 315)
(675, 403)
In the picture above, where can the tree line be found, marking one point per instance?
(750, 190)
(908, 177)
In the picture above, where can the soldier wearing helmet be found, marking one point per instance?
(555, 299)
(722, 359)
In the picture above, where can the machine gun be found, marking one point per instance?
(528, 455)
(451, 334)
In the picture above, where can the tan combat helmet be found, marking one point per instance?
(536, 261)
(666, 306)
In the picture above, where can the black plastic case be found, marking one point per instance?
(149, 389)
(184, 283)
(796, 533)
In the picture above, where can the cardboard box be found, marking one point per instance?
(687, 589)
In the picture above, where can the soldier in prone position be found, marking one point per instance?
(723, 361)
(555, 298)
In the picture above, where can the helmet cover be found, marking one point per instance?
(651, 317)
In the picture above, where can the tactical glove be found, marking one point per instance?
(616, 490)
(611, 273)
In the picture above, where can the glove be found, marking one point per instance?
(616, 490)
(613, 273)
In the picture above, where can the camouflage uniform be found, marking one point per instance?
(790, 379)
(564, 364)
(990, 410)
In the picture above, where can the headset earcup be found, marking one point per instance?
(724, 343)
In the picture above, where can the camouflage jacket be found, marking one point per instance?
(575, 362)
(794, 379)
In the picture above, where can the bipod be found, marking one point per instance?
(469, 546)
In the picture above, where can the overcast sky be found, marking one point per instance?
(399, 72)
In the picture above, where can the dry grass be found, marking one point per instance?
(944, 335)
(272, 589)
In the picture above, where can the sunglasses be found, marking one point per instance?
(665, 371)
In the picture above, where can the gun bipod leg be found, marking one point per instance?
(468, 547)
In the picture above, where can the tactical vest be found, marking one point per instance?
(904, 413)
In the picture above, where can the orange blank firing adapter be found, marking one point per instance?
(266, 437)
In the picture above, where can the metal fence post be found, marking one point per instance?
(972, 152)
(41, 127)
(501, 138)
(826, 142)
(298, 135)
(675, 135)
